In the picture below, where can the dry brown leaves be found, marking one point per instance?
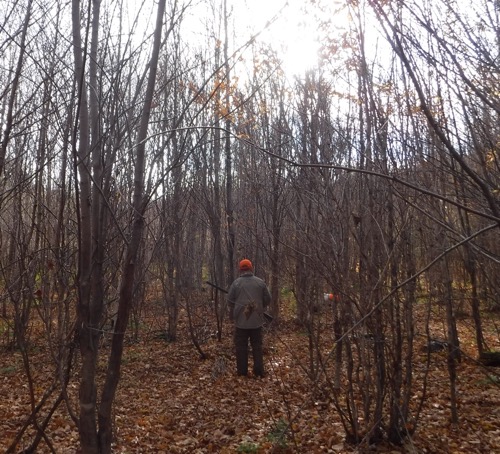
(170, 401)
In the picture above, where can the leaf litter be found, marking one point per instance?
(171, 401)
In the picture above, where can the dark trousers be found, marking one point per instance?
(241, 337)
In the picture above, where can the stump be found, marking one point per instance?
(491, 359)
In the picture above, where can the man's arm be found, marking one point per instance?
(266, 297)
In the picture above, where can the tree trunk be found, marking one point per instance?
(229, 160)
(128, 281)
(87, 328)
(453, 345)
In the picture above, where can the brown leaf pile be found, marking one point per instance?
(170, 401)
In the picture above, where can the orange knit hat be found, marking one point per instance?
(246, 265)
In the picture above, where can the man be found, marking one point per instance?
(248, 297)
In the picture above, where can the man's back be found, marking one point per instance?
(250, 296)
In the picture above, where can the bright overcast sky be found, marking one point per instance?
(294, 31)
(289, 26)
(289, 30)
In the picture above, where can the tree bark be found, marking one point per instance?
(87, 329)
(128, 281)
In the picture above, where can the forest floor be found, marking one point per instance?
(171, 401)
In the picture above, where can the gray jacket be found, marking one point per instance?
(248, 297)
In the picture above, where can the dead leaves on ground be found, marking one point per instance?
(171, 401)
